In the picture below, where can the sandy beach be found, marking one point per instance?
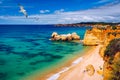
(77, 71)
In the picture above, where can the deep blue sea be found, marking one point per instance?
(25, 49)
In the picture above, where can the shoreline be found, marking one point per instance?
(69, 65)
(62, 68)
(77, 72)
(73, 63)
(57, 75)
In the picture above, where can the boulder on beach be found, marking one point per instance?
(90, 69)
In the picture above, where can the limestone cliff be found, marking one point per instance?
(97, 36)
(112, 60)
(109, 37)
(110, 51)
(90, 39)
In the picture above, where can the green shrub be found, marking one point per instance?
(112, 48)
(114, 27)
(114, 34)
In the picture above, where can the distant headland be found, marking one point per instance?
(87, 24)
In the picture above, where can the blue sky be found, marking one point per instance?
(59, 11)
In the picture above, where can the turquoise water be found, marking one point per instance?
(25, 49)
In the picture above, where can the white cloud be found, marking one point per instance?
(103, 1)
(109, 13)
(59, 11)
(44, 11)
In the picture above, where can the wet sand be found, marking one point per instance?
(76, 72)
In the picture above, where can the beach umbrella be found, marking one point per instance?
(90, 69)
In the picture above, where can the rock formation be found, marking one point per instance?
(64, 37)
(112, 60)
(90, 39)
(109, 39)
(54, 34)
(75, 36)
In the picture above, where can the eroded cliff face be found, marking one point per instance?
(90, 39)
(97, 36)
(93, 37)
(112, 70)
(108, 38)
(112, 60)
(110, 50)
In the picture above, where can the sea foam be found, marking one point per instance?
(77, 61)
(57, 75)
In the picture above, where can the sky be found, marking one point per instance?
(59, 11)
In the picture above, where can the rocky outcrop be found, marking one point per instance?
(64, 37)
(54, 34)
(109, 51)
(112, 60)
(75, 36)
(90, 39)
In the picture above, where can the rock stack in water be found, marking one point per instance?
(64, 37)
